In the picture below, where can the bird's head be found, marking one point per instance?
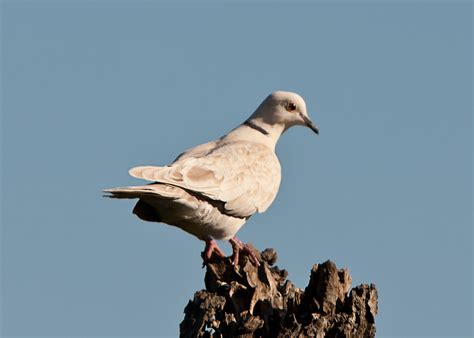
(285, 108)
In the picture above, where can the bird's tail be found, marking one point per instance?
(153, 198)
(156, 190)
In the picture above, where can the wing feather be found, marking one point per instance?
(244, 175)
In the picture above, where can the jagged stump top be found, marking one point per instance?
(250, 301)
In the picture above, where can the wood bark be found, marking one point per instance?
(250, 301)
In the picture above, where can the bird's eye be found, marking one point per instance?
(291, 106)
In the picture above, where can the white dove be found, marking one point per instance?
(211, 190)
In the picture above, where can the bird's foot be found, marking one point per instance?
(211, 247)
(237, 247)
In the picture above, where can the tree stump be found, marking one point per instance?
(250, 301)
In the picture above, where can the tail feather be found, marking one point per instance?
(154, 200)
(156, 190)
(128, 192)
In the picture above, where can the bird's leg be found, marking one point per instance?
(211, 246)
(237, 247)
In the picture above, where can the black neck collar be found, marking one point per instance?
(257, 128)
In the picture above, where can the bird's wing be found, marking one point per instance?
(243, 175)
(197, 151)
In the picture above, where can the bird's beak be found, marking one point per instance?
(310, 124)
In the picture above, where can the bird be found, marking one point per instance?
(212, 189)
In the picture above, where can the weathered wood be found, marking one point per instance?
(250, 301)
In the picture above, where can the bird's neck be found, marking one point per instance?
(256, 130)
(272, 131)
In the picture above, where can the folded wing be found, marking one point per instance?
(244, 175)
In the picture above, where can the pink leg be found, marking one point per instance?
(211, 246)
(237, 247)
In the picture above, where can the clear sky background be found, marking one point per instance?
(92, 88)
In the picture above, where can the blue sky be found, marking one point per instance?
(92, 88)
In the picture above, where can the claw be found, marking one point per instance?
(237, 247)
(211, 247)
